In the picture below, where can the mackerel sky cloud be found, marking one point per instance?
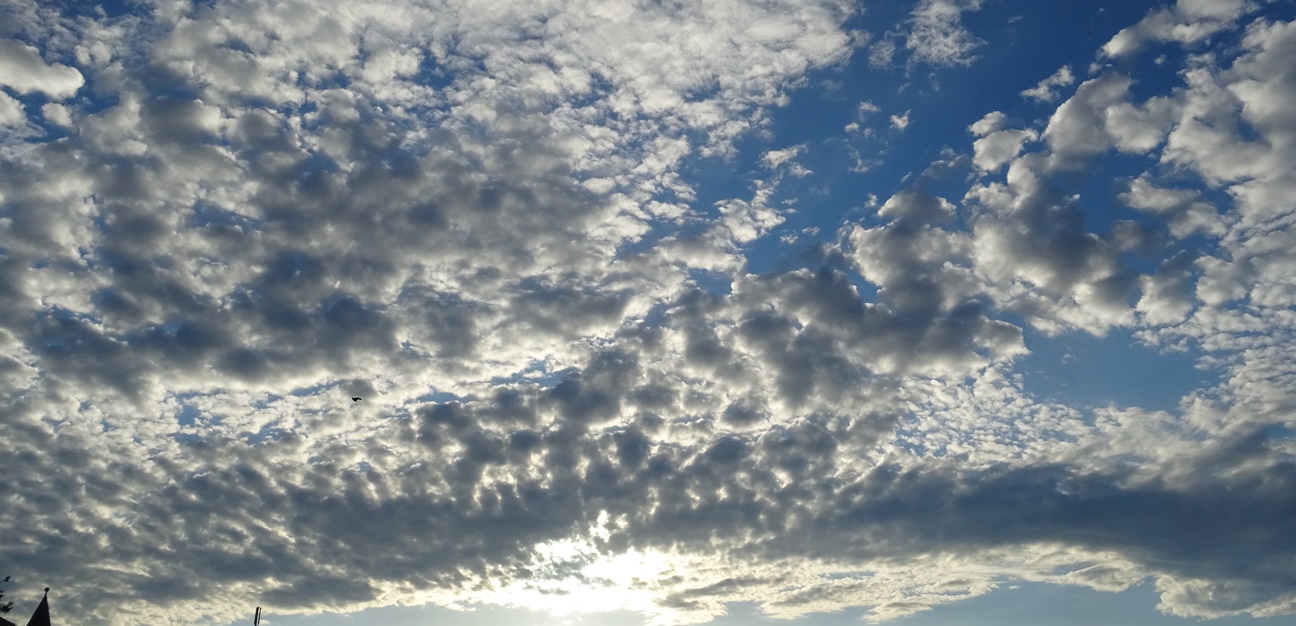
(798, 311)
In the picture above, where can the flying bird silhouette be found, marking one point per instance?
(355, 399)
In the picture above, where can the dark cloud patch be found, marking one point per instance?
(744, 412)
(447, 323)
(562, 306)
(74, 346)
(1169, 530)
(182, 122)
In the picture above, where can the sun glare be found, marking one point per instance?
(572, 579)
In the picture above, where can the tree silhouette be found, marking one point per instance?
(5, 607)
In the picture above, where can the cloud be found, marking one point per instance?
(11, 111)
(937, 36)
(865, 109)
(775, 159)
(933, 35)
(900, 122)
(1030, 244)
(1098, 117)
(574, 386)
(1183, 209)
(883, 50)
(57, 114)
(1188, 21)
(275, 212)
(1044, 91)
(24, 71)
(996, 146)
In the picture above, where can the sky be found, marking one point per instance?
(796, 312)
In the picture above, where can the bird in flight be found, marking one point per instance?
(354, 399)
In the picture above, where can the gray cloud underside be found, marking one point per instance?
(474, 220)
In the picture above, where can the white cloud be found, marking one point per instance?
(1168, 294)
(1045, 90)
(320, 222)
(1182, 208)
(1216, 302)
(937, 35)
(994, 146)
(900, 122)
(933, 35)
(23, 70)
(998, 148)
(11, 111)
(747, 221)
(989, 123)
(57, 114)
(883, 51)
(776, 158)
(481, 225)
(1098, 117)
(1188, 21)
(864, 109)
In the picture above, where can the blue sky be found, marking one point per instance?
(806, 312)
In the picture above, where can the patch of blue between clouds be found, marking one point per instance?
(1076, 368)
(1082, 370)
(940, 104)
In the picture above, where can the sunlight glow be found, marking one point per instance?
(573, 578)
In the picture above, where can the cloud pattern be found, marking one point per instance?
(218, 221)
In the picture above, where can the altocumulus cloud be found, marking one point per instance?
(219, 221)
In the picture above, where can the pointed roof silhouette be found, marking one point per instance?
(41, 616)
